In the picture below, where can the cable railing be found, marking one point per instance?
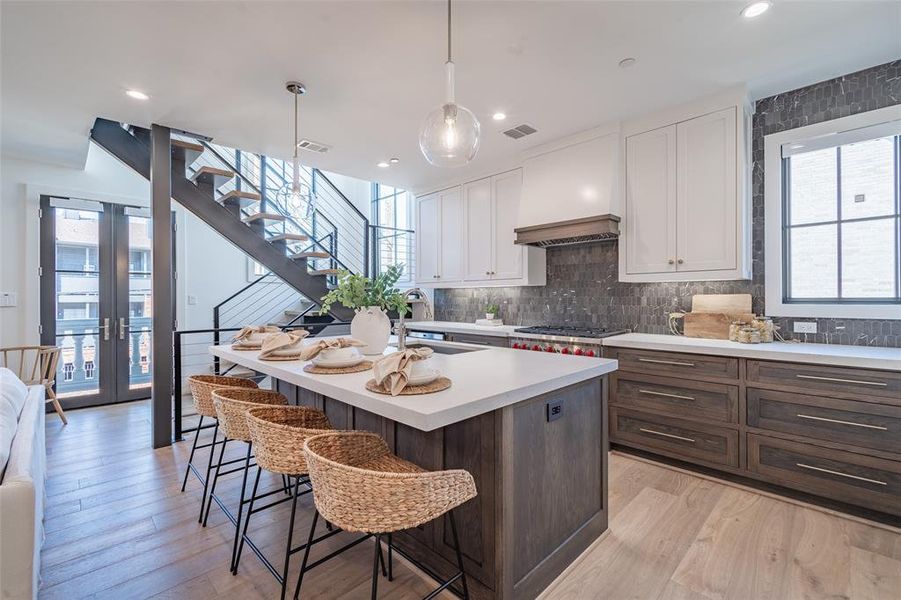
(393, 246)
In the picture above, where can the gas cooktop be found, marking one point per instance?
(571, 331)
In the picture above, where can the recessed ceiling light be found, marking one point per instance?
(137, 94)
(498, 116)
(382, 165)
(627, 62)
(394, 160)
(755, 9)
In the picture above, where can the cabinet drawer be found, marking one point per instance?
(481, 340)
(677, 364)
(675, 437)
(692, 399)
(852, 478)
(857, 423)
(835, 380)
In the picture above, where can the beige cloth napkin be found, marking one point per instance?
(283, 341)
(393, 371)
(242, 338)
(312, 350)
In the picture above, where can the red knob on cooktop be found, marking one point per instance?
(564, 350)
(589, 353)
(549, 349)
(577, 352)
(515, 346)
(536, 348)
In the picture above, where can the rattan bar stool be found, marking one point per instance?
(202, 387)
(278, 434)
(360, 486)
(231, 406)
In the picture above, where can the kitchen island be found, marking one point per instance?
(530, 427)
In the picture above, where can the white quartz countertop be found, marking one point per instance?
(453, 327)
(482, 381)
(869, 357)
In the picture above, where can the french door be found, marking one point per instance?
(96, 299)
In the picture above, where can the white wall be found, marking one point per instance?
(358, 191)
(210, 268)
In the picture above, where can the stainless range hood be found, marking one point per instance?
(601, 228)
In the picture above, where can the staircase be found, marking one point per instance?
(227, 199)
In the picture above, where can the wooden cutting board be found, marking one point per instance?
(721, 303)
(712, 325)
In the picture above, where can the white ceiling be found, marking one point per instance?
(374, 69)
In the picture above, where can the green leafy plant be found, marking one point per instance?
(492, 309)
(356, 291)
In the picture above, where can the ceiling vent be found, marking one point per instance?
(312, 146)
(520, 131)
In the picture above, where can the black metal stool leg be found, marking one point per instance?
(240, 508)
(209, 502)
(253, 494)
(453, 524)
(390, 559)
(306, 554)
(209, 468)
(184, 482)
(290, 536)
(375, 567)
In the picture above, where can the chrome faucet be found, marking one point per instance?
(401, 329)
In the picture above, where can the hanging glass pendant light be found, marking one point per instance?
(449, 136)
(296, 196)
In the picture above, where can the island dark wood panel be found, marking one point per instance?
(540, 467)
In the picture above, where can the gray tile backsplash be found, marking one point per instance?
(582, 286)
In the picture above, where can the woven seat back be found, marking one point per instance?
(384, 498)
(232, 405)
(278, 434)
(202, 387)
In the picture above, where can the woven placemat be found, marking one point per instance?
(317, 370)
(279, 358)
(246, 348)
(442, 383)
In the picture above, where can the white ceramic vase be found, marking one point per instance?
(371, 326)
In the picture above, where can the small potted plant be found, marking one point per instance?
(370, 299)
(491, 311)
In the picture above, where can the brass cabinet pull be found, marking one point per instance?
(669, 435)
(851, 423)
(665, 395)
(840, 474)
(837, 380)
(666, 362)
(672, 262)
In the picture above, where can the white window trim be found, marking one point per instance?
(772, 148)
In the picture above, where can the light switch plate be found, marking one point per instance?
(805, 326)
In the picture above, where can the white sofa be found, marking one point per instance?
(22, 470)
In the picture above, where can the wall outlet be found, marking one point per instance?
(805, 326)
(554, 410)
(192, 299)
(7, 299)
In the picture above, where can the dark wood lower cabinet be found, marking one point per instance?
(542, 485)
(827, 431)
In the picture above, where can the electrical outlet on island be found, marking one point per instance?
(805, 326)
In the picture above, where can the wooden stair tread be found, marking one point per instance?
(289, 237)
(325, 272)
(263, 217)
(241, 197)
(211, 173)
(299, 255)
(187, 145)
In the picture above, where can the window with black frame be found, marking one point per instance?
(392, 229)
(842, 221)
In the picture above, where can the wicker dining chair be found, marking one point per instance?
(278, 434)
(35, 365)
(202, 387)
(358, 485)
(231, 406)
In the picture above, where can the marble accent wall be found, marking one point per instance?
(582, 286)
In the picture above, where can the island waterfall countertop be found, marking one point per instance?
(483, 380)
(870, 357)
(454, 327)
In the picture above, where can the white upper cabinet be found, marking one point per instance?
(650, 217)
(706, 206)
(439, 219)
(687, 197)
(465, 236)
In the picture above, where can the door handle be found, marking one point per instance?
(122, 328)
(105, 328)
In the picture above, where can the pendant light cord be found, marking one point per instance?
(449, 31)
(295, 123)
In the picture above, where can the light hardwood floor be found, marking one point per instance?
(117, 526)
